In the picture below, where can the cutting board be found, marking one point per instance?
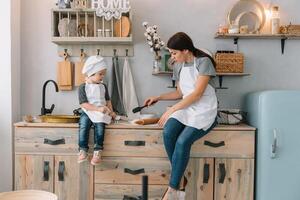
(122, 27)
(79, 77)
(64, 74)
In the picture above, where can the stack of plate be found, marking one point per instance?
(248, 13)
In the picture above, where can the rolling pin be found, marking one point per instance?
(146, 121)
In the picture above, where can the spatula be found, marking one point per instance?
(138, 109)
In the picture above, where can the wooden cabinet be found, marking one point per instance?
(221, 166)
(58, 174)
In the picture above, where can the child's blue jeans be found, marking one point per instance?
(178, 139)
(85, 125)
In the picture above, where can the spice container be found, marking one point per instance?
(107, 33)
(275, 20)
(99, 33)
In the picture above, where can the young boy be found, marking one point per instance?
(97, 108)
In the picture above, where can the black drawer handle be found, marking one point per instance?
(46, 171)
(126, 197)
(215, 145)
(61, 170)
(54, 142)
(222, 173)
(205, 173)
(134, 172)
(134, 143)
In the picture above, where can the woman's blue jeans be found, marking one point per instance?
(178, 139)
(85, 125)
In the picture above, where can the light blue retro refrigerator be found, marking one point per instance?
(276, 115)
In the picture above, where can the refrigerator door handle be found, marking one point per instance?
(274, 144)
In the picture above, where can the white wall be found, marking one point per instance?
(6, 98)
(9, 86)
(199, 18)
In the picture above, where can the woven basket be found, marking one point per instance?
(229, 62)
(293, 29)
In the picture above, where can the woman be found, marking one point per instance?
(195, 114)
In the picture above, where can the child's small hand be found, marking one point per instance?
(113, 115)
(104, 109)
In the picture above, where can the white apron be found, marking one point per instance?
(202, 113)
(95, 94)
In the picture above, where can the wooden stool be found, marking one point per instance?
(27, 195)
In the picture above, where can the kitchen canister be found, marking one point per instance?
(107, 33)
(100, 33)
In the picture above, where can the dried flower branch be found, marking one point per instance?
(153, 39)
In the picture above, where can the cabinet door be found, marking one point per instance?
(234, 179)
(34, 172)
(73, 181)
(200, 178)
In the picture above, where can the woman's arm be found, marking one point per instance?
(201, 84)
(166, 96)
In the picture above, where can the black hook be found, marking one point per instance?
(66, 53)
(98, 52)
(126, 52)
(115, 52)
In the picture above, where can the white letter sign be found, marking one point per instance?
(111, 8)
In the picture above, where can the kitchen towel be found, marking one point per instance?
(116, 81)
(129, 94)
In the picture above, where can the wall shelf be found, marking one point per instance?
(219, 75)
(76, 29)
(236, 37)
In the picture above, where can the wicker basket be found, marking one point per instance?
(229, 62)
(293, 29)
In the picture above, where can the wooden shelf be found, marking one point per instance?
(165, 73)
(162, 73)
(236, 37)
(257, 36)
(91, 40)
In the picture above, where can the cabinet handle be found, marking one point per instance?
(46, 171)
(134, 172)
(222, 173)
(205, 173)
(215, 145)
(126, 197)
(61, 170)
(134, 143)
(54, 142)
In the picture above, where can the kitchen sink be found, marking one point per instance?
(59, 118)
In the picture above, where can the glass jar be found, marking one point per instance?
(107, 33)
(100, 33)
(157, 65)
(275, 20)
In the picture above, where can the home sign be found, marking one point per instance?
(110, 8)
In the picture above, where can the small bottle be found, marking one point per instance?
(275, 20)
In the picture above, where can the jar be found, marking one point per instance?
(107, 33)
(275, 20)
(99, 33)
(233, 28)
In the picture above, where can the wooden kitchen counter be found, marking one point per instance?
(127, 125)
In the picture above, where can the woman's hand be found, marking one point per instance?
(164, 118)
(151, 100)
(104, 109)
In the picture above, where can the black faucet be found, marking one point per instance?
(45, 110)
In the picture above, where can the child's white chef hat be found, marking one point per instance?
(93, 65)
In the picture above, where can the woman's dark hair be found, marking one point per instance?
(181, 41)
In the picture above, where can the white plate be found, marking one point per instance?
(247, 6)
(250, 19)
